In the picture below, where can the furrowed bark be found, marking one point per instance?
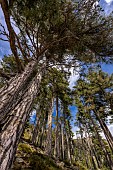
(10, 95)
(13, 128)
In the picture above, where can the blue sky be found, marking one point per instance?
(108, 68)
(107, 5)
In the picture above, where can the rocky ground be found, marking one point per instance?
(29, 157)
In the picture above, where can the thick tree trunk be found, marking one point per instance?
(13, 128)
(49, 129)
(12, 94)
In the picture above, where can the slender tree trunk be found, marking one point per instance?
(70, 140)
(37, 127)
(49, 129)
(60, 142)
(85, 151)
(86, 154)
(41, 137)
(91, 154)
(89, 145)
(13, 128)
(106, 131)
(92, 149)
(38, 133)
(62, 133)
(107, 156)
(68, 132)
(68, 147)
(56, 149)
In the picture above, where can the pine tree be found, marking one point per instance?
(93, 90)
(45, 35)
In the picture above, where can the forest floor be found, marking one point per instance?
(29, 157)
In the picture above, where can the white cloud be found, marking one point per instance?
(74, 130)
(72, 80)
(74, 76)
(111, 129)
(109, 1)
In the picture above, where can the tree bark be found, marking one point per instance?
(68, 147)
(49, 129)
(36, 127)
(57, 149)
(62, 135)
(13, 128)
(11, 95)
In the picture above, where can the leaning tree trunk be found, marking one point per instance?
(106, 131)
(107, 156)
(11, 94)
(13, 128)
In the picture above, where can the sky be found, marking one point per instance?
(107, 5)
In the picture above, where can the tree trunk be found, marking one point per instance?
(106, 131)
(62, 134)
(13, 128)
(42, 136)
(37, 127)
(12, 94)
(107, 156)
(49, 129)
(57, 149)
(68, 147)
